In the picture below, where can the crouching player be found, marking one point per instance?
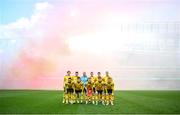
(78, 89)
(110, 91)
(89, 90)
(69, 87)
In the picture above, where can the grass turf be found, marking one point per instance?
(31, 101)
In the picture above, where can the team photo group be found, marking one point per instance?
(95, 89)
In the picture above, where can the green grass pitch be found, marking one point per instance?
(145, 102)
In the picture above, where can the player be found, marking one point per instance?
(69, 87)
(78, 89)
(89, 90)
(74, 80)
(110, 91)
(93, 81)
(66, 77)
(104, 79)
(99, 89)
(84, 80)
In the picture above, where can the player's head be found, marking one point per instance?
(91, 73)
(76, 73)
(78, 79)
(84, 73)
(68, 73)
(109, 80)
(99, 73)
(107, 73)
(99, 79)
(69, 80)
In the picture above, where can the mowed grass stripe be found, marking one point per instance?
(130, 103)
(159, 103)
(141, 104)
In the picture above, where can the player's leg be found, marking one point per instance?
(93, 98)
(82, 97)
(74, 96)
(109, 92)
(93, 95)
(67, 96)
(87, 98)
(97, 97)
(107, 99)
(87, 95)
(77, 96)
(103, 98)
(111, 97)
(71, 96)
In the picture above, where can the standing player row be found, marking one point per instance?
(88, 89)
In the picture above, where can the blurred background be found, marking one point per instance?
(137, 41)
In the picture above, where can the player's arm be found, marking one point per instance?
(64, 81)
(65, 87)
(85, 86)
(95, 85)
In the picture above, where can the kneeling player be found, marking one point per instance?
(78, 89)
(69, 86)
(89, 89)
(110, 91)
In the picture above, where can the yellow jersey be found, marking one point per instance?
(74, 78)
(66, 77)
(110, 85)
(78, 86)
(105, 79)
(69, 85)
(93, 79)
(99, 85)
